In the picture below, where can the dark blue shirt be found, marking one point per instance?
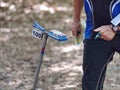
(98, 13)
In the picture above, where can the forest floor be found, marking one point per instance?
(62, 64)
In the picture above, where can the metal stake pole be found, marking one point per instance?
(40, 60)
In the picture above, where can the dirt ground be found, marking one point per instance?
(19, 51)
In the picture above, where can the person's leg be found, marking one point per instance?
(97, 54)
(116, 44)
(102, 79)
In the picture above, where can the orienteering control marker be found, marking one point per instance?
(40, 33)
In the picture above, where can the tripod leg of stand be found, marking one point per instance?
(40, 61)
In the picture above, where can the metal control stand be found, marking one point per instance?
(40, 33)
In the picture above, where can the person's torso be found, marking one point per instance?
(98, 13)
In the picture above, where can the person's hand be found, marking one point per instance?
(106, 32)
(75, 27)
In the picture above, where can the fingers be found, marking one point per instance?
(105, 38)
(73, 31)
(75, 27)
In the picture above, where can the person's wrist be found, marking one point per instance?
(115, 28)
(76, 19)
(117, 31)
